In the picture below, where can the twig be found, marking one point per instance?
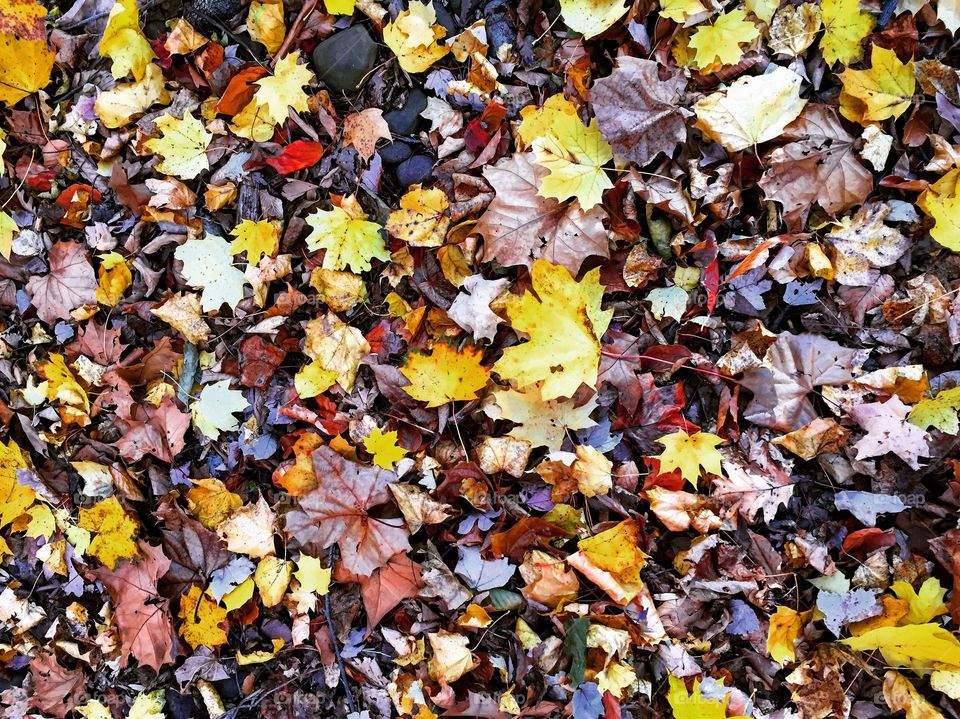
(336, 646)
(295, 29)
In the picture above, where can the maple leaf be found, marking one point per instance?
(115, 531)
(883, 91)
(350, 240)
(250, 529)
(719, 43)
(211, 502)
(471, 309)
(258, 238)
(637, 112)
(337, 347)
(313, 379)
(751, 110)
(278, 93)
(383, 446)
(114, 278)
(925, 605)
(208, 263)
(70, 284)
(901, 695)
(863, 242)
(124, 42)
(446, 374)
(413, 37)
(521, 226)
(845, 26)
(25, 58)
(62, 386)
(183, 144)
(213, 412)
(141, 614)
(818, 166)
(202, 620)
(785, 627)
(400, 578)
(542, 423)
(889, 431)
(591, 17)
(564, 322)
(792, 367)
(364, 129)
(157, 431)
(182, 312)
(265, 24)
(690, 452)
(940, 411)
(422, 219)
(56, 690)
(312, 575)
(918, 646)
(754, 487)
(574, 155)
(941, 202)
(338, 511)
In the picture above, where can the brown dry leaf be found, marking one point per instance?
(338, 511)
(418, 507)
(141, 614)
(821, 436)
(548, 580)
(183, 313)
(503, 454)
(70, 284)
(520, 226)
(56, 690)
(638, 111)
(249, 530)
(818, 166)
(363, 129)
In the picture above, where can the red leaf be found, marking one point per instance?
(297, 156)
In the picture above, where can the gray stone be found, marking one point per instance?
(404, 120)
(345, 58)
(397, 151)
(414, 170)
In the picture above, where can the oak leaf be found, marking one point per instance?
(338, 511)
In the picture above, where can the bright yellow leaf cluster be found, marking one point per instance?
(124, 42)
(349, 238)
(413, 37)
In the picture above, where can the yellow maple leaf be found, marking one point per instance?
(591, 17)
(211, 502)
(883, 91)
(312, 575)
(115, 531)
(564, 322)
(182, 312)
(690, 452)
(694, 705)
(258, 238)
(574, 153)
(785, 626)
(720, 44)
(337, 347)
(922, 647)
(201, 620)
(15, 498)
(422, 219)
(253, 123)
(945, 210)
(923, 605)
(62, 385)
(751, 110)
(183, 146)
(124, 42)
(313, 379)
(845, 26)
(272, 578)
(350, 240)
(383, 446)
(114, 277)
(446, 374)
(680, 10)
(283, 90)
(265, 24)
(413, 37)
(940, 411)
(25, 58)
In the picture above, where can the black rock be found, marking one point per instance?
(415, 170)
(395, 152)
(345, 58)
(404, 120)
(209, 16)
